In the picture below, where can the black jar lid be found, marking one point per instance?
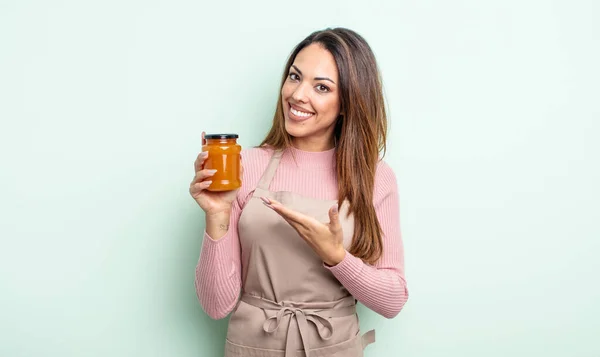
(221, 136)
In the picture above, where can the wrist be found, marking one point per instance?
(336, 258)
(218, 217)
(217, 224)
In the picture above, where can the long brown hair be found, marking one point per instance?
(360, 132)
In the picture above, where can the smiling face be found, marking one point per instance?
(310, 99)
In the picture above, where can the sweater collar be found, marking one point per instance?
(310, 159)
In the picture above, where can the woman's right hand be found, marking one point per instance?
(213, 203)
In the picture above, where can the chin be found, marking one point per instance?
(295, 130)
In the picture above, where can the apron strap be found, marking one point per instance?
(368, 338)
(265, 180)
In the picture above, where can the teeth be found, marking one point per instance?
(300, 114)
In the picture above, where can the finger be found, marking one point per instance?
(203, 140)
(202, 175)
(199, 163)
(198, 187)
(300, 222)
(286, 213)
(334, 218)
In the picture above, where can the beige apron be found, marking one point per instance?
(290, 303)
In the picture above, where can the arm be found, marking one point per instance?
(218, 273)
(381, 287)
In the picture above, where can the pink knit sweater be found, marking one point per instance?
(381, 287)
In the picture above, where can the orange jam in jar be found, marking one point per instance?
(223, 156)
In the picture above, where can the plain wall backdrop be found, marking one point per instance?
(494, 137)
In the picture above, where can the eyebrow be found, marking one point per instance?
(316, 78)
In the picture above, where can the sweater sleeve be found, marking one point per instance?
(381, 287)
(218, 272)
(218, 278)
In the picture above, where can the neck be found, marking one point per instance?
(313, 145)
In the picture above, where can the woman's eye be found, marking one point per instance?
(322, 88)
(294, 77)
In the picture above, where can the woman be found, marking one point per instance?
(315, 225)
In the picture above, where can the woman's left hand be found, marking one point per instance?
(326, 239)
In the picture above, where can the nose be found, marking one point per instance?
(300, 93)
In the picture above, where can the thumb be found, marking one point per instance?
(334, 218)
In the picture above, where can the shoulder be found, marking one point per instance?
(254, 162)
(254, 154)
(384, 174)
(386, 183)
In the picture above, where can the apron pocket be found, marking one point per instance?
(235, 350)
(351, 348)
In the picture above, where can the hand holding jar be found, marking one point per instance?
(218, 173)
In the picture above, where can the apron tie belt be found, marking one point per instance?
(319, 317)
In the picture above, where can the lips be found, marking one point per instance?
(298, 114)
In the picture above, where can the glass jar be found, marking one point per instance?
(223, 156)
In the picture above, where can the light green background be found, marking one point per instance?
(495, 139)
